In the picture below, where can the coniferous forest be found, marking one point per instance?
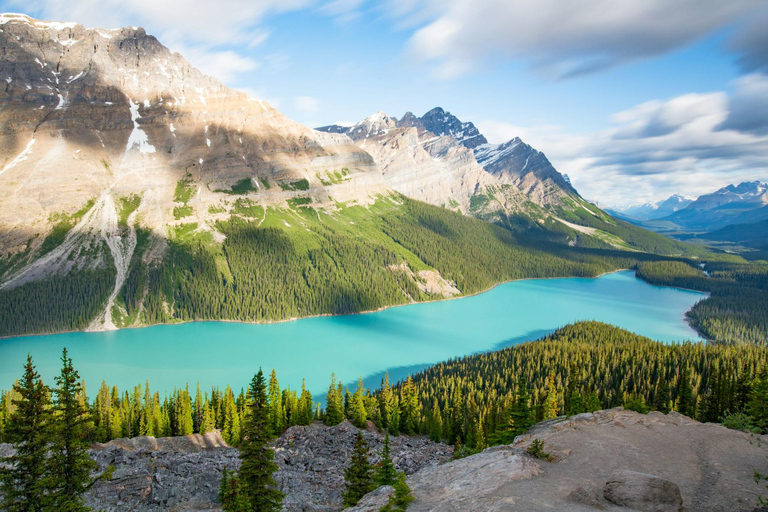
(267, 272)
(474, 401)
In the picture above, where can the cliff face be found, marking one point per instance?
(431, 159)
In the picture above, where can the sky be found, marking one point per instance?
(635, 100)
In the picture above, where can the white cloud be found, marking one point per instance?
(224, 65)
(344, 11)
(220, 22)
(682, 145)
(306, 104)
(207, 33)
(561, 37)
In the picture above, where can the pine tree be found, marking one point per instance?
(207, 422)
(69, 466)
(231, 431)
(359, 475)
(276, 411)
(661, 396)
(385, 402)
(23, 483)
(457, 417)
(103, 413)
(401, 498)
(685, 403)
(436, 426)
(551, 407)
(334, 412)
(305, 406)
(198, 410)
(758, 401)
(521, 417)
(479, 441)
(359, 413)
(258, 468)
(231, 497)
(385, 470)
(409, 408)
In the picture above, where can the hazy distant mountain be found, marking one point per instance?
(728, 205)
(652, 210)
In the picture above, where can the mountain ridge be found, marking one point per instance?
(124, 168)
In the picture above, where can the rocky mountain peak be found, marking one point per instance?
(441, 123)
(373, 125)
(528, 169)
(90, 116)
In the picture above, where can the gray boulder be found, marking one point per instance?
(643, 492)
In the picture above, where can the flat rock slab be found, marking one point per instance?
(652, 462)
(643, 492)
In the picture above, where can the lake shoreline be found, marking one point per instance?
(322, 315)
(360, 345)
(383, 308)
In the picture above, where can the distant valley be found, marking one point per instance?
(732, 217)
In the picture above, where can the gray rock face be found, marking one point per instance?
(643, 492)
(312, 461)
(184, 473)
(526, 168)
(86, 112)
(441, 123)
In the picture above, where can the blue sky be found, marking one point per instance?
(634, 100)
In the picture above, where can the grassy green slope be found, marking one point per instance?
(291, 262)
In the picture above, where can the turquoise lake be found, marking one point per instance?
(399, 340)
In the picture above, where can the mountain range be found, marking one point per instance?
(651, 210)
(734, 204)
(126, 170)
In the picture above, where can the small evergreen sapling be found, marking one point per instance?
(386, 474)
(359, 475)
(401, 498)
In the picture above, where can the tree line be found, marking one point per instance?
(473, 401)
(736, 310)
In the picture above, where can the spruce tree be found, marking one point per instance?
(661, 396)
(685, 403)
(401, 498)
(521, 417)
(23, 482)
(256, 477)
(385, 402)
(359, 475)
(409, 408)
(305, 406)
(551, 407)
(457, 417)
(758, 401)
(334, 412)
(276, 411)
(436, 426)
(69, 466)
(359, 413)
(385, 470)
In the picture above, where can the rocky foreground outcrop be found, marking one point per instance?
(609, 460)
(183, 473)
